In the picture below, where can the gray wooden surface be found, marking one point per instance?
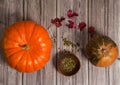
(104, 15)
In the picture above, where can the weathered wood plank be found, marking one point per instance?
(81, 37)
(2, 27)
(97, 18)
(42, 11)
(114, 33)
(9, 13)
(74, 35)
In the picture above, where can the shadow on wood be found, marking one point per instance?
(55, 59)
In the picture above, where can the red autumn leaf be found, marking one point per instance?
(75, 14)
(71, 24)
(53, 21)
(82, 25)
(71, 14)
(58, 24)
(57, 21)
(62, 19)
(91, 30)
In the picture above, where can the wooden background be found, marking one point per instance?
(104, 15)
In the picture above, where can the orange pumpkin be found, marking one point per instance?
(101, 51)
(26, 46)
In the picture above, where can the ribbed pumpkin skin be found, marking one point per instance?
(26, 46)
(101, 51)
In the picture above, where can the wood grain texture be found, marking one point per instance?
(2, 27)
(81, 37)
(10, 13)
(104, 15)
(114, 33)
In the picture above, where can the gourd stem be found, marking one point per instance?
(103, 50)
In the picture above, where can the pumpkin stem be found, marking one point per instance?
(25, 47)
